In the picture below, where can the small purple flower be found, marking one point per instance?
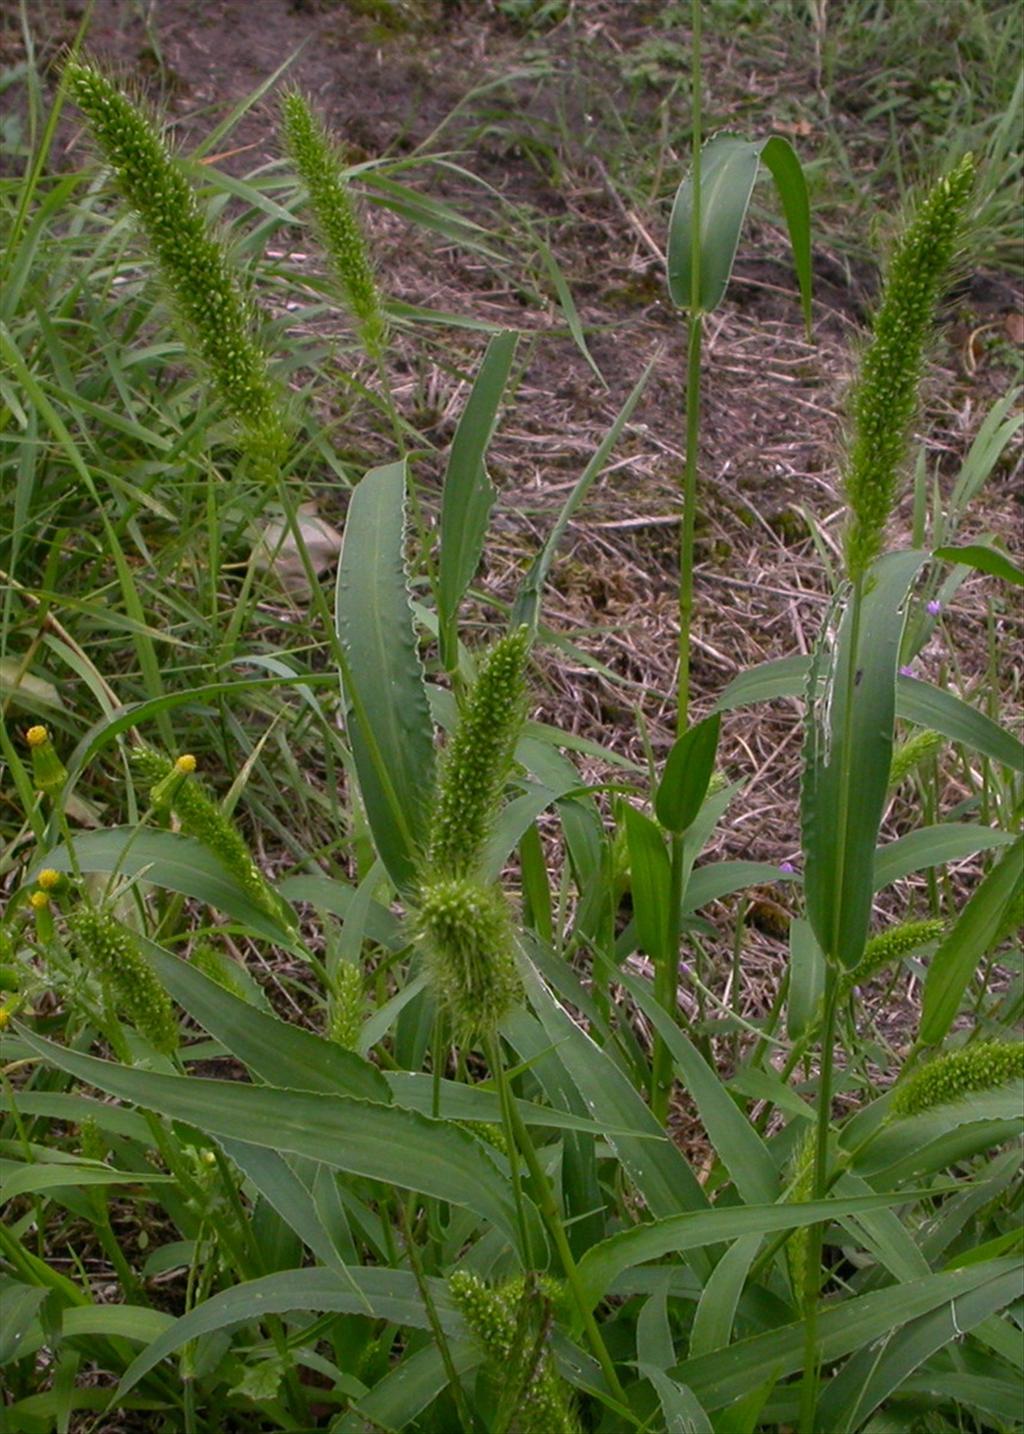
(934, 607)
(907, 670)
(787, 867)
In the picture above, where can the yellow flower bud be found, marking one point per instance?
(36, 736)
(39, 900)
(186, 764)
(48, 879)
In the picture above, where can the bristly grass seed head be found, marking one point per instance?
(543, 1401)
(887, 947)
(981, 1066)
(478, 758)
(465, 929)
(193, 262)
(174, 786)
(319, 165)
(347, 1006)
(884, 398)
(912, 753)
(111, 951)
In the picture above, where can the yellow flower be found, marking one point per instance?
(39, 900)
(186, 764)
(48, 879)
(36, 736)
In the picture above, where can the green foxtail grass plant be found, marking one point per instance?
(346, 1203)
(840, 842)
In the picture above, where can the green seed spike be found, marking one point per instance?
(316, 158)
(912, 753)
(479, 756)
(887, 947)
(194, 263)
(201, 817)
(348, 1006)
(884, 398)
(111, 950)
(983, 1065)
(465, 929)
(500, 1320)
(801, 1189)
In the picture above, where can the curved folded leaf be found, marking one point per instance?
(699, 1228)
(172, 861)
(391, 1294)
(390, 728)
(280, 1053)
(977, 926)
(729, 169)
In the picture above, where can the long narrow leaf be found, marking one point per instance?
(390, 728)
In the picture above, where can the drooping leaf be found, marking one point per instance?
(729, 169)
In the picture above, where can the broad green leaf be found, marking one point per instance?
(721, 878)
(34, 1179)
(716, 1309)
(468, 492)
(136, 1322)
(872, 1375)
(697, 1229)
(680, 1407)
(768, 681)
(688, 772)
(848, 752)
(382, 1142)
(172, 861)
(726, 1375)
(986, 559)
(19, 1305)
(916, 701)
(390, 728)
(977, 926)
(329, 894)
(280, 1053)
(939, 1137)
(729, 169)
(391, 1294)
(279, 1185)
(933, 846)
(928, 706)
(649, 882)
(1002, 1395)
